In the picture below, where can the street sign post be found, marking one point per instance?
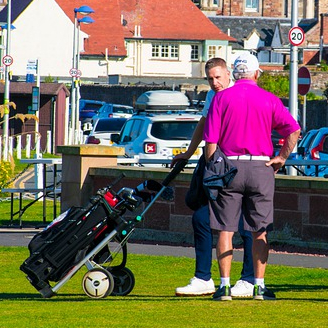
(304, 81)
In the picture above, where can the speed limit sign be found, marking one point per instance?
(72, 72)
(296, 36)
(7, 60)
(75, 72)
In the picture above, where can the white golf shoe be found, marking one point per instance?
(196, 287)
(242, 288)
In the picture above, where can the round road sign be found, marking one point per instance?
(304, 81)
(296, 36)
(7, 60)
(75, 72)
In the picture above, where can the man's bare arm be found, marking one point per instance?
(210, 149)
(290, 142)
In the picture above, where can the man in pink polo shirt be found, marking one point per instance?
(240, 120)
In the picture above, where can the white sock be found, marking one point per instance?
(225, 281)
(259, 282)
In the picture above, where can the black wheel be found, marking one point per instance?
(98, 283)
(123, 281)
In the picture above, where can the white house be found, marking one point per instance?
(135, 38)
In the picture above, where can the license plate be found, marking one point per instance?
(176, 151)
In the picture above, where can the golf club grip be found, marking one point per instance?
(175, 171)
(117, 180)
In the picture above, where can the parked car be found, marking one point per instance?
(316, 149)
(103, 128)
(88, 108)
(277, 141)
(116, 110)
(157, 131)
(303, 146)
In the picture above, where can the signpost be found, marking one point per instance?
(304, 83)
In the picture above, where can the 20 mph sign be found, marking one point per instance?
(296, 36)
(7, 60)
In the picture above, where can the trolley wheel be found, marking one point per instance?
(98, 283)
(123, 281)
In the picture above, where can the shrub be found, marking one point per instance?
(6, 173)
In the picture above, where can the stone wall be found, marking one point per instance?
(301, 206)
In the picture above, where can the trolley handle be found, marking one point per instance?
(179, 166)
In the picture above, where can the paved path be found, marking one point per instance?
(21, 237)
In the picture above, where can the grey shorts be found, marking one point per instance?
(251, 191)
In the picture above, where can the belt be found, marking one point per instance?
(250, 158)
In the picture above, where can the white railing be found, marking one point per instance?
(17, 152)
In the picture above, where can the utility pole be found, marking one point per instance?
(293, 81)
(6, 90)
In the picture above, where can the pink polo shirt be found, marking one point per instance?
(241, 119)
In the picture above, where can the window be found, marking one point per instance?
(112, 124)
(155, 50)
(165, 51)
(194, 52)
(173, 130)
(252, 5)
(174, 51)
(325, 145)
(211, 51)
(131, 130)
(215, 51)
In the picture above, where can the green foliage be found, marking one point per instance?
(6, 173)
(277, 84)
(325, 92)
(287, 67)
(49, 79)
(313, 96)
(323, 66)
(301, 298)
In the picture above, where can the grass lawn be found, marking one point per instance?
(302, 298)
(33, 215)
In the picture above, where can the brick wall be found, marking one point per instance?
(301, 205)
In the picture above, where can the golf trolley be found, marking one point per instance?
(93, 236)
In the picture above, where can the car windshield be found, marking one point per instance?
(91, 108)
(307, 140)
(173, 130)
(121, 109)
(111, 124)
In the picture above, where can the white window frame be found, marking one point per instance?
(194, 55)
(165, 50)
(214, 51)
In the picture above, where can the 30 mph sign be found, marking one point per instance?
(296, 36)
(304, 81)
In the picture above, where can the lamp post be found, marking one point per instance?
(84, 20)
(6, 90)
(83, 10)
